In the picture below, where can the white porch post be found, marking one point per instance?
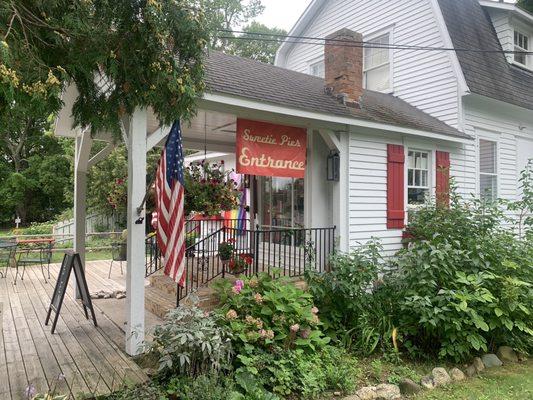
(81, 158)
(136, 141)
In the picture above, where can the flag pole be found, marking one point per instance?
(145, 198)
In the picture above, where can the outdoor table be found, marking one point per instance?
(45, 255)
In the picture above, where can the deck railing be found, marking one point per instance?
(281, 251)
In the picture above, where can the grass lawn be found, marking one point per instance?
(89, 256)
(511, 382)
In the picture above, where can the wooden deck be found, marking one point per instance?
(90, 359)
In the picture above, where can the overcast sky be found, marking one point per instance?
(282, 13)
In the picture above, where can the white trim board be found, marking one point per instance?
(210, 99)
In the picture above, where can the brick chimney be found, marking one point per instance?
(344, 67)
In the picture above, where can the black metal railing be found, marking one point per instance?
(276, 251)
(197, 229)
(153, 256)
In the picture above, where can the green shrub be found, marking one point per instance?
(357, 309)
(203, 387)
(265, 312)
(35, 228)
(190, 343)
(465, 281)
(289, 372)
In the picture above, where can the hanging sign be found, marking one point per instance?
(270, 150)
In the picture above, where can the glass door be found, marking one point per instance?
(281, 202)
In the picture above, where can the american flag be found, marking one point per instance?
(169, 186)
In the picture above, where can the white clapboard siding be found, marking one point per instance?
(368, 184)
(423, 78)
(493, 126)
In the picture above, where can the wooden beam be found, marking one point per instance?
(157, 137)
(331, 139)
(100, 155)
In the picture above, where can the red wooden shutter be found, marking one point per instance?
(442, 190)
(395, 186)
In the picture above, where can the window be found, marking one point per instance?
(317, 69)
(521, 43)
(488, 174)
(377, 65)
(417, 177)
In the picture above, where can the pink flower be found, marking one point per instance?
(237, 286)
(295, 328)
(258, 298)
(266, 334)
(314, 310)
(305, 333)
(231, 314)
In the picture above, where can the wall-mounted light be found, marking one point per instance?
(333, 166)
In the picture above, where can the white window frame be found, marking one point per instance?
(374, 35)
(529, 59)
(495, 139)
(430, 177)
(313, 63)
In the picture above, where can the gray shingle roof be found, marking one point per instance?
(264, 82)
(487, 74)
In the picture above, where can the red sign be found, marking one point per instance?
(270, 150)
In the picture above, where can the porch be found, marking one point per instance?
(91, 359)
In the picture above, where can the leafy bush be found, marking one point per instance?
(190, 343)
(357, 309)
(35, 228)
(277, 337)
(465, 281)
(203, 387)
(265, 312)
(289, 372)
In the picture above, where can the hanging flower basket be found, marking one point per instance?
(209, 190)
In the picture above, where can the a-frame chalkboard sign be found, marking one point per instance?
(71, 261)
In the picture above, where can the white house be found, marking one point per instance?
(486, 94)
(397, 121)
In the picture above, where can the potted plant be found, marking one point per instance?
(226, 249)
(209, 190)
(239, 264)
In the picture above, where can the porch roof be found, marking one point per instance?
(254, 80)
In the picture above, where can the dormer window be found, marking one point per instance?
(377, 63)
(521, 43)
(317, 69)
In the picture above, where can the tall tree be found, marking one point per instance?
(228, 15)
(261, 47)
(35, 172)
(526, 5)
(121, 54)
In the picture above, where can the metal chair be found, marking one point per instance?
(117, 254)
(8, 250)
(41, 255)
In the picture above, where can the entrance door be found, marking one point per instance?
(281, 202)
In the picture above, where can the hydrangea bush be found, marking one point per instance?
(267, 312)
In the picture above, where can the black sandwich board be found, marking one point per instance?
(71, 261)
